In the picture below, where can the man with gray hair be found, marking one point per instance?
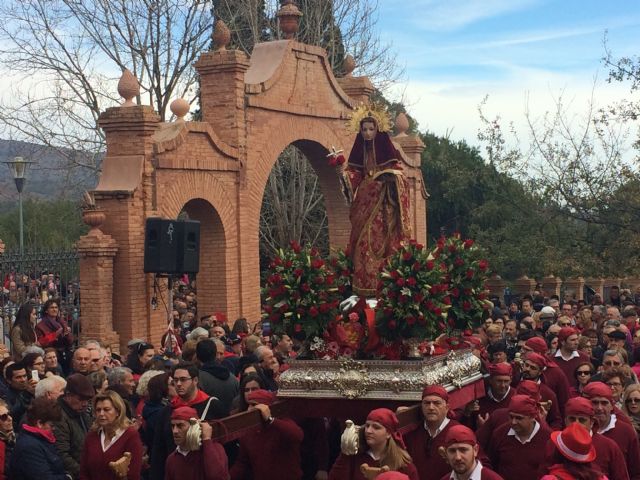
(269, 364)
(122, 376)
(50, 387)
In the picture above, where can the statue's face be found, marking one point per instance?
(368, 130)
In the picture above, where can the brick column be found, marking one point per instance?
(524, 286)
(222, 93)
(551, 285)
(413, 147)
(574, 288)
(495, 284)
(597, 284)
(97, 251)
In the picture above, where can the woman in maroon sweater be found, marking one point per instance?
(110, 437)
(380, 444)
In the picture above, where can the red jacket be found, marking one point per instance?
(94, 463)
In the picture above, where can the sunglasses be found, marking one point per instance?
(584, 372)
(6, 416)
(628, 400)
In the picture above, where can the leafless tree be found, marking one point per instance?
(64, 56)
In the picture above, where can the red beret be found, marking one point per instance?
(498, 369)
(579, 406)
(388, 420)
(566, 332)
(435, 390)
(460, 434)
(536, 358)
(262, 397)
(538, 345)
(184, 413)
(597, 389)
(523, 405)
(529, 388)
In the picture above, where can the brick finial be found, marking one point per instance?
(401, 124)
(289, 19)
(128, 88)
(221, 36)
(179, 107)
(348, 65)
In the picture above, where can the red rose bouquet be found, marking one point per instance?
(300, 295)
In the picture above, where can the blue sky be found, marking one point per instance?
(518, 52)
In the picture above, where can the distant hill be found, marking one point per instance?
(47, 179)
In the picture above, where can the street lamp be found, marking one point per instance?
(19, 167)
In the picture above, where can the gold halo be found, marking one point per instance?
(374, 110)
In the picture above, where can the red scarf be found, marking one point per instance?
(199, 398)
(46, 434)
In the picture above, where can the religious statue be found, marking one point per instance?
(377, 189)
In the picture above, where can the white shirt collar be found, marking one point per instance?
(611, 426)
(476, 474)
(182, 452)
(115, 438)
(574, 354)
(497, 400)
(512, 433)
(442, 426)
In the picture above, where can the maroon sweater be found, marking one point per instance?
(609, 458)
(208, 463)
(626, 438)
(513, 460)
(424, 450)
(94, 463)
(347, 467)
(273, 450)
(569, 366)
(555, 379)
(497, 418)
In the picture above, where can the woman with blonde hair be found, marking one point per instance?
(112, 436)
(380, 445)
(631, 405)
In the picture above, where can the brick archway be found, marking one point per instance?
(217, 169)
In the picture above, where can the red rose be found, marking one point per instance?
(319, 280)
(468, 243)
(418, 297)
(466, 305)
(411, 282)
(433, 290)
(277, 261)
(305, 287)
(429, 304)
(295, 246)
(452, 248)
(324, 308)
(458, 262)
(284, 308)
(329, 280)
(482, 296)
(429, 265)
(400, 282)
(416, 267)
(288, 264)
(451, 322)
(411, 320)
(298, 272)
(442, 325)
(314, 252)
(394, 274)
(295, 294)
(274, 317)
(313, 311)
(274, 292)
(391, 324)
(403, 299)
(391, 294)
(421, 319)
(342, 288)
(406, 256)
(467, 291)
(470, 273)
(317, 263)
(300, 311)
(437, 311)
(455, 292)
(419, 246)
(446, 300)
(483, 265)
(267, 308)
(297, 327)
(388, 311)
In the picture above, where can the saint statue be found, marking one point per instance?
(378, 191)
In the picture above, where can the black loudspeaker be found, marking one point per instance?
(171, 246)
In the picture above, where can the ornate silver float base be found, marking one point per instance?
(377, 379)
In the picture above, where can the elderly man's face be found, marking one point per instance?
(81, 360)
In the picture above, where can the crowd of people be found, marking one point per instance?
(562, 402)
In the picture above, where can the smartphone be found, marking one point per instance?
(35, 376)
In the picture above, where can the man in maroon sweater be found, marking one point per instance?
(517, 448)
(532, 369)
(274, 450)
(499, 393)
(608, 455)
(209, 462)
(611, 427)
(424, 441)
(552, 376)
(568, 357)
(462, 454)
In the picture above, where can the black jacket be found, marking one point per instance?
(217, 381)
(35, 458)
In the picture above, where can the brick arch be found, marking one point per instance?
(205, 198)
(314, 137)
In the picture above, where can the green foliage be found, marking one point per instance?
(47, 225)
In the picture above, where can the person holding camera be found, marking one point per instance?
(197, 456)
